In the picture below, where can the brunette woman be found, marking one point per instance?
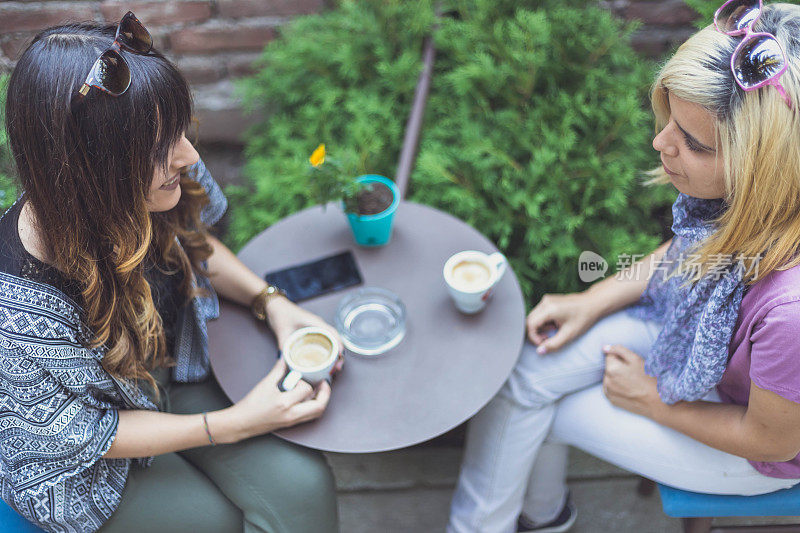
(110, 417)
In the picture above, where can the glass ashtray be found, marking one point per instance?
(371, 321)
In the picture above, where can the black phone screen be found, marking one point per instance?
(317, 277)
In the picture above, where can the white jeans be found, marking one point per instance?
(515, 457)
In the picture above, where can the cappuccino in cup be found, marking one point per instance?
(470, 277)
(310, 353)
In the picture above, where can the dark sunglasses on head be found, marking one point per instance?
(110, 73)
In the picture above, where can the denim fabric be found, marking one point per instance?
(515, 454)
(191, 336)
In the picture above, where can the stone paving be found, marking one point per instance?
(408, 491)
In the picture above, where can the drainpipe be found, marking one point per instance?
(414, 125)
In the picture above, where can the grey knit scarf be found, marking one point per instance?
(691, 352)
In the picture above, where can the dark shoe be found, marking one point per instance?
(563, 522)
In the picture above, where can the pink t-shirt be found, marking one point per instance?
(765, 349)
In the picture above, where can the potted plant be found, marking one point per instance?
(369, 201)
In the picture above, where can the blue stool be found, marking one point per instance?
(12, 522)
(697, 510)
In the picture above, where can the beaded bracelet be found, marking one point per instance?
(205, 422)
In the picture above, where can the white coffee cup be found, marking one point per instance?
(310, 353)
(470, 277)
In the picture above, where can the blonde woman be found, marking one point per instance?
(686, 368)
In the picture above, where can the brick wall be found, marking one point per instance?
(215, 41)
(212, 42)
(665, 23)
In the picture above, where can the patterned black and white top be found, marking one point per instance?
(58, 405)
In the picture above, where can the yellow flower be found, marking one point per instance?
(318, 157)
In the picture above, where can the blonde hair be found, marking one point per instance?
(758, 137)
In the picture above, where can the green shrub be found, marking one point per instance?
(535, 135)
(535, 131)
(706, 9)
(345, 78)
(8, 190)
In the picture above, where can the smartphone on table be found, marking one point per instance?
(317, 277)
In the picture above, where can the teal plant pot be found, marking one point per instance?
(375, 230)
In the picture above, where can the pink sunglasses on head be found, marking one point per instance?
(759, 59)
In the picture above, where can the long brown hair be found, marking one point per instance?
(86, 171)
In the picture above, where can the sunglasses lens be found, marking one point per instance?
(736, 15)
(111, 73)
(758, 60)
(133, 34)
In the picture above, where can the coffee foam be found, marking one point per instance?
(469, 275)
(310, 351)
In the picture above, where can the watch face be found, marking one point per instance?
(262, 298)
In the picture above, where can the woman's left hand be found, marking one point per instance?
(285, 317)
(625, 383)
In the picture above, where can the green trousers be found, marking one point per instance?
(260, 484)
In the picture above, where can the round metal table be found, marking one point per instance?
(444, 370)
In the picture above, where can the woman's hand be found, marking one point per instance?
(285, 317)
(266, 408)
(571, 314)
(625, 383)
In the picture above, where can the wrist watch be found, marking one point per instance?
(259, 304)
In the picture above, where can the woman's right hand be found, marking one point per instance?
(266, 408)
(571, 314)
